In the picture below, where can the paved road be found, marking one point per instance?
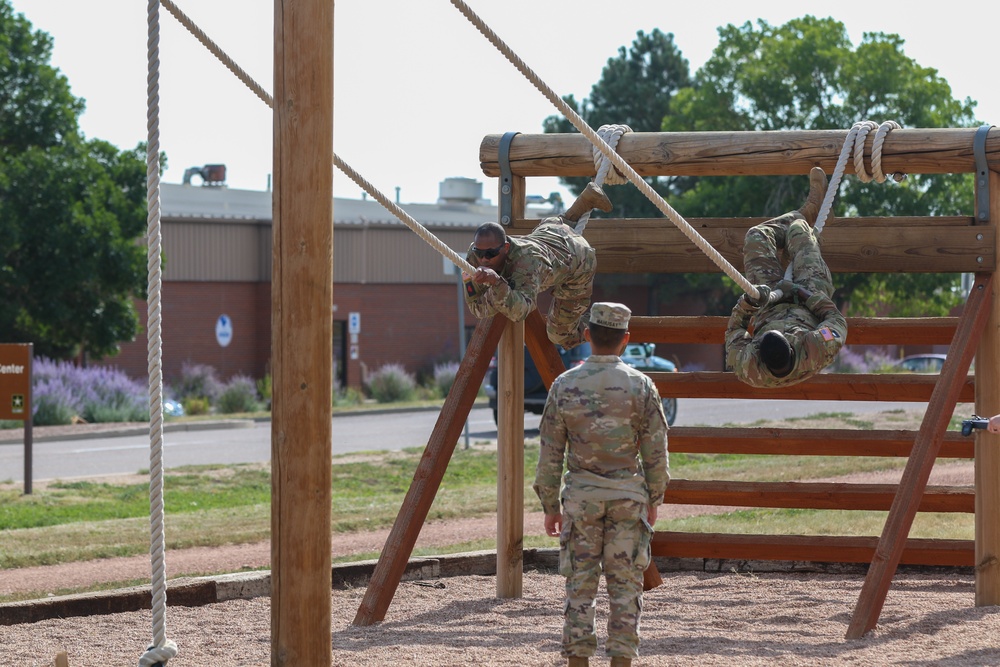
(114, 455)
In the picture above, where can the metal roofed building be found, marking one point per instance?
(393, 301)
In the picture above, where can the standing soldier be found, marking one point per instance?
(605, 419)
(799, 335)
(512, 271)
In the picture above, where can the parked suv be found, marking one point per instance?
(637, 355)
(535, 392)
(640, 356)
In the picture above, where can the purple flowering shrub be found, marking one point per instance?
(62, 391)
(198, 388)
(391, 383)
(872, 360)
(239, 395)
(444, 376)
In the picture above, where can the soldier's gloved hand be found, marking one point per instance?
(764, 292)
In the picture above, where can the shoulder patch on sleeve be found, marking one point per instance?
(828, 334)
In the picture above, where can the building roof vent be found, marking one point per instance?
(212, 175)
(460, 190)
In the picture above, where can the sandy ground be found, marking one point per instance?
(693, 619)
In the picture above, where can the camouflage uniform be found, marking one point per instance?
(603, 417)
(552, 255)
(815, 329)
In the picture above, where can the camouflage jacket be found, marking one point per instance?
(535, 262)
(605, 418)
(816, 331)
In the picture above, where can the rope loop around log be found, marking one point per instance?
(606, 173)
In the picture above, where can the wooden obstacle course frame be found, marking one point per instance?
(914, 244)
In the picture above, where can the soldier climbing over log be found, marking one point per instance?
(793, 330)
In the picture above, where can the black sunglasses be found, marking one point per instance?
(488, 253)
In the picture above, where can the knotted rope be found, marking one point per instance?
(389, 205)
(161, 649)
(610, 134)
(854, 144)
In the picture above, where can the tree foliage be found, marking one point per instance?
(635, 89)
(805, 74)
(71, 211)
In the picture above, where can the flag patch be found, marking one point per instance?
(828, 334)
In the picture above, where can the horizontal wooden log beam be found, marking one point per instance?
(813, 495)
(658, 246)
(808, 442)
(817, 549)
(823, 387)
(860, 330)
(789, 152)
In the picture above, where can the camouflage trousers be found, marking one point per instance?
(568, 314)
(613, 534)
(788, 238)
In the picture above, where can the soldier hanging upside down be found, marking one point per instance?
(799, 335)
(512, 271)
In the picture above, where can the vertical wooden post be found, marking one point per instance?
(510, 461)
(988, 445)
(302, 333)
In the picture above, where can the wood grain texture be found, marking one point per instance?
(912, 151)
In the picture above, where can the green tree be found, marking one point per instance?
(806, 74)
(635, 89)
(71, 211)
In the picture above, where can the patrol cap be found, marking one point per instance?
(610, 315)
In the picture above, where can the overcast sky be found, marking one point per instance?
(416, 86)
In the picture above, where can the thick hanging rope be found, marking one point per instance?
(389, 205)
(161, 649)
(623, 167)
(610, 134)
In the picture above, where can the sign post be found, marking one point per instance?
(15, 395)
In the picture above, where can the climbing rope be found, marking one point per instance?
(854, 144)
(609, 134)
(623, 167)
(161, 649)
(389, 205)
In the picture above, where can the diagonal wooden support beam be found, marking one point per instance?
(542, 351)
(925, 450)
(427, 478)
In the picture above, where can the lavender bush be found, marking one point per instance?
(875, 360)
(239, 395)
(62, 391)
(444, 376)
(198, 381)
(392, 383)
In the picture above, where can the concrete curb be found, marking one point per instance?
(173, 427)
(199, 591)
(16, 437)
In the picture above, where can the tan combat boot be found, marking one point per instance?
(620, 661)
(577, 661)
(817, 190)
(592, 197)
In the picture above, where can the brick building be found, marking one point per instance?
(216, 296)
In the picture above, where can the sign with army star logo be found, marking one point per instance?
(15, 381)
